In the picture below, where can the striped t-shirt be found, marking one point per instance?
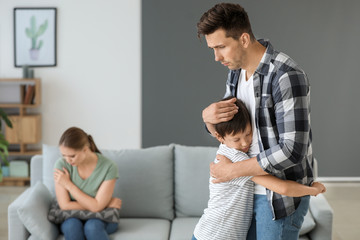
(230, 207)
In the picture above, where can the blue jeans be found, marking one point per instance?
(76, 229)
(287, 228)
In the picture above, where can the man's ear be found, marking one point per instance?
(245, 40)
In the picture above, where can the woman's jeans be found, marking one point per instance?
(76, 229)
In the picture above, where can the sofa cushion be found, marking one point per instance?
(145, 182)
(192, 179)
(33, 213)
(142, 228)
(50, 155)
(308, 224)
(183, 228)
(138, 228)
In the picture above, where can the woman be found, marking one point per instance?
(84, 180)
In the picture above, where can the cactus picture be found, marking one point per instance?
(33, 33)
(35, 36)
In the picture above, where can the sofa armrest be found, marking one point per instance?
(36, 169)
(16, 229)
(323, 216)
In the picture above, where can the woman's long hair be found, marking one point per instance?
(77, 139)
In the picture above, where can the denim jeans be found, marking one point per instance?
(76, 229)
(287, 228)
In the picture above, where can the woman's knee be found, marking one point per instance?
(94, 226)
(72, 228)
(71, 224)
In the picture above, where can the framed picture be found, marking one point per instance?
(35, 37)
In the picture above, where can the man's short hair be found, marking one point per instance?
(228, 16)
(238, 123)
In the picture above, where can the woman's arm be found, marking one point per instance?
(64, 186)
(288, 187)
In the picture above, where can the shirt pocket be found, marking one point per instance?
(267, 116)
(266, 102)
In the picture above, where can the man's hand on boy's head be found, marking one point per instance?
(222, 111)
(221, 171)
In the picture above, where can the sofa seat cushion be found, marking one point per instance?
(304, 237)
(182, 228)
(140, 228)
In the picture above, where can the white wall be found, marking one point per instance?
(96, 84)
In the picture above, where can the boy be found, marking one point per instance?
(230, 206)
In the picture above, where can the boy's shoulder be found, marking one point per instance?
(231, 153)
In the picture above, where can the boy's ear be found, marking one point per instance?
(218, 137)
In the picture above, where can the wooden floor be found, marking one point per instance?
(344, 198)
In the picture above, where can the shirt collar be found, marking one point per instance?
(264, 65)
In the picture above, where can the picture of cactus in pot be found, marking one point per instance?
(33, 33)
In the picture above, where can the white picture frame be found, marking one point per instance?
(35, 37)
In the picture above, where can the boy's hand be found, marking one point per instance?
(222, 111)
(319, 187)
(222, 170)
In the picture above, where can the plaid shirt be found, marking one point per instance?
(282, 117)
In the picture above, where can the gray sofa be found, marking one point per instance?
(164, 191)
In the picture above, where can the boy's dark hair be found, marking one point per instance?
(229, 16)
(238, 123)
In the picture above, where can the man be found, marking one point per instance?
(277, 94)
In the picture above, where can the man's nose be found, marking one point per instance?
(218, 56)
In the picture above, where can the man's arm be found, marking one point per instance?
(225, 170)
(288, 187)
(291, 106)
(290, 95)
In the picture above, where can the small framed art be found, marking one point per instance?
(35, 37)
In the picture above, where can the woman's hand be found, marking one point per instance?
(62, 178)
(319, 187)
(115, 203)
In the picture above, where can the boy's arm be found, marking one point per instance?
(288, 187)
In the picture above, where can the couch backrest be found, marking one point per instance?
(145, 182)
(50, 155)
(192, 179)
